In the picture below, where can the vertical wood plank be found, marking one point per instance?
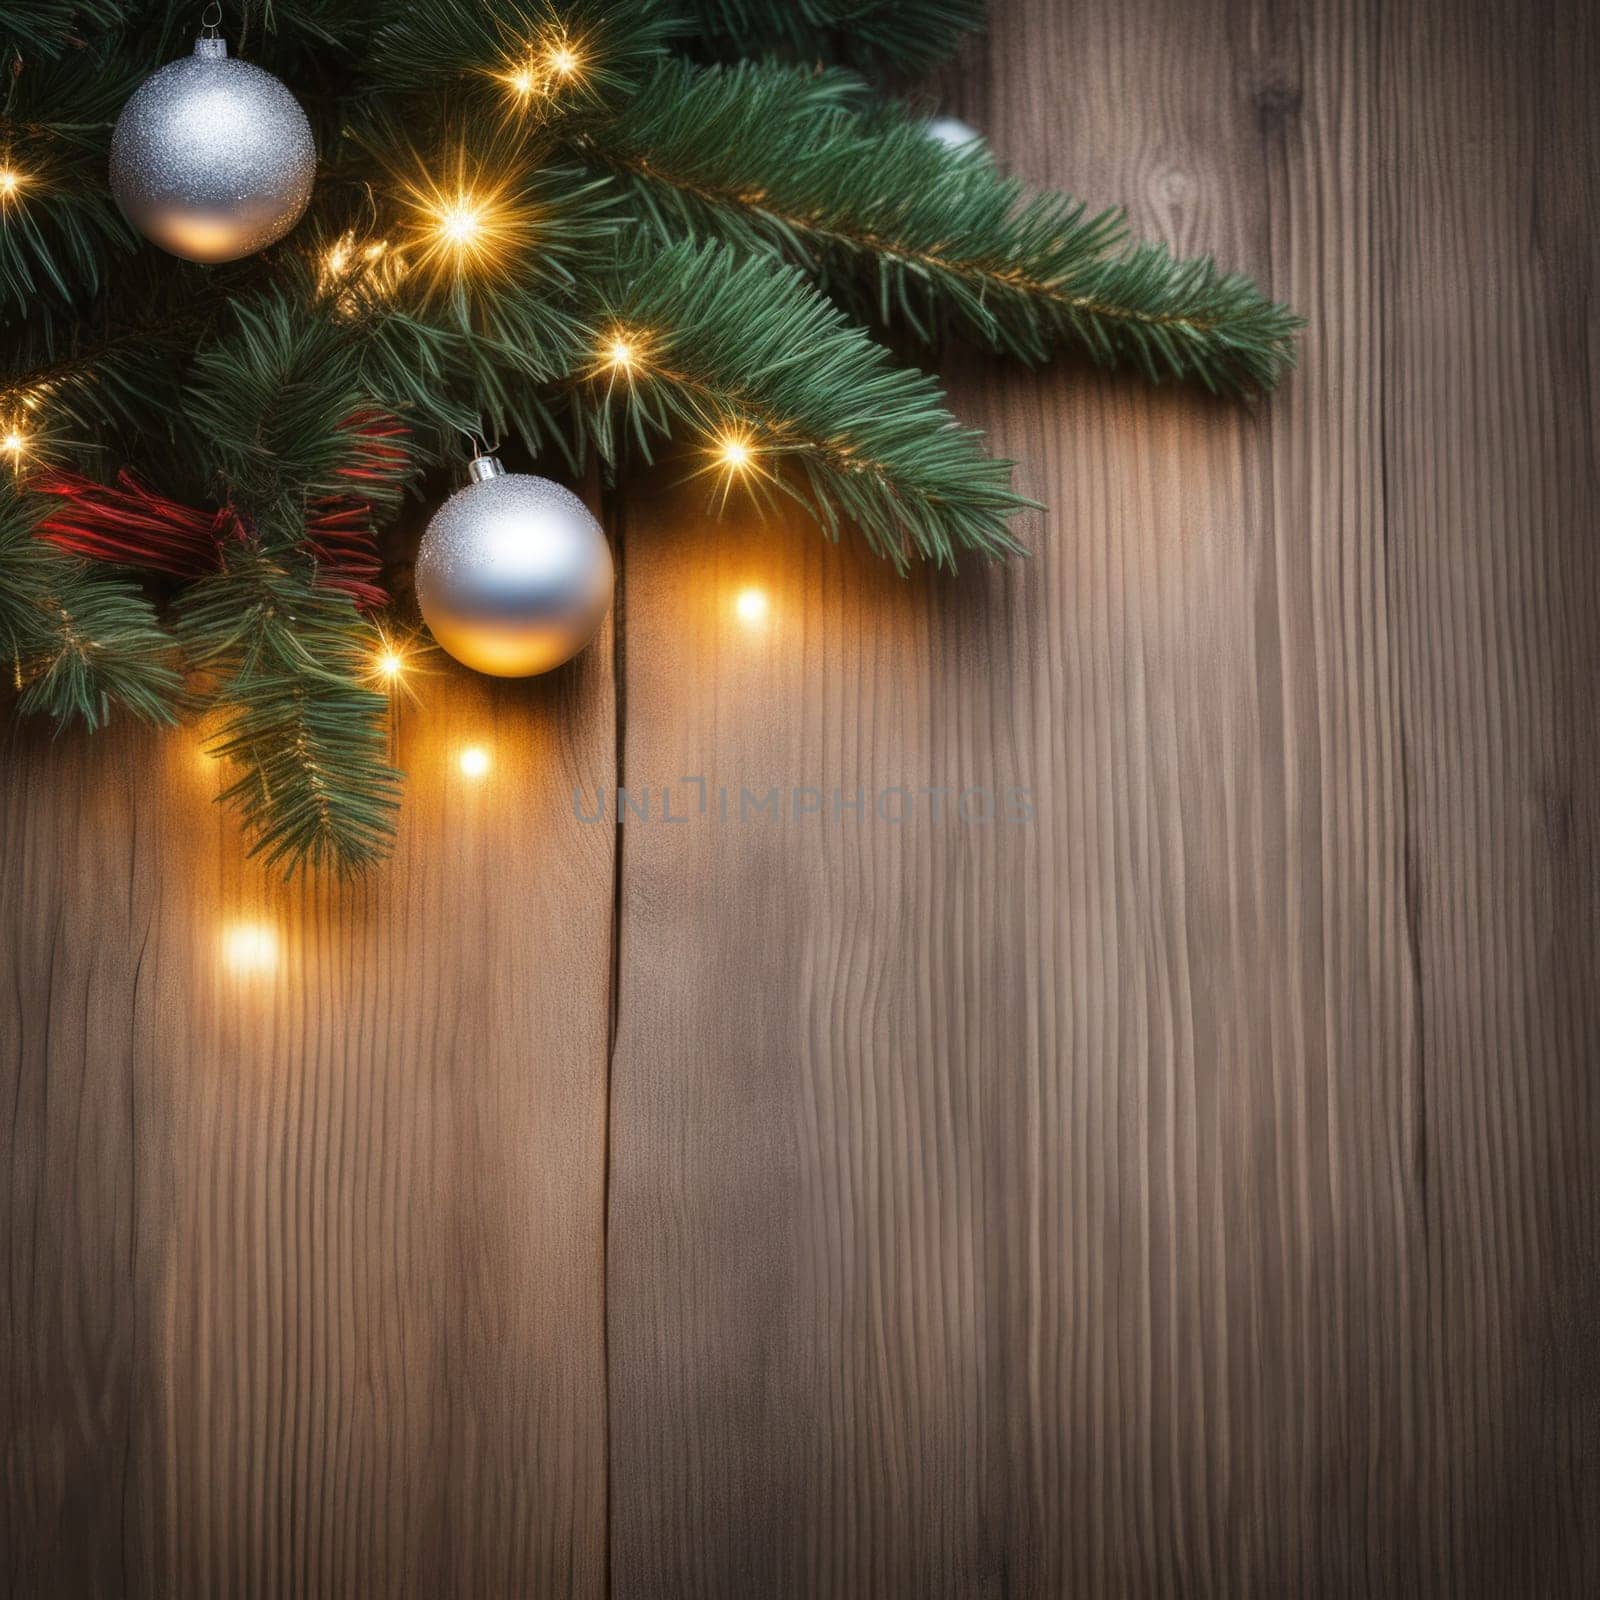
(305, 1267)
(66, 1157)
(1492, 458)
(1035, 1208)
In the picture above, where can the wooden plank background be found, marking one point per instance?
(1186, 1189)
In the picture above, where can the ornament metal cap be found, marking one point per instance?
(211, 44)
(481, 468)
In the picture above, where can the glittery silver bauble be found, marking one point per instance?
(212, 158)
(952, 133)
(514, 574)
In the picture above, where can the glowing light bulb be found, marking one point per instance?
(621, 353)
(563, 61)
(735, 454)
(9, 183)
(751, 607)
(460, 223)
(474, 762)
(250, 949)
(390, 664)
(522, 82)
(13, 442)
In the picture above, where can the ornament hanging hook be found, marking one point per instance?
(484, 463)
(209, 23)
(480, 445)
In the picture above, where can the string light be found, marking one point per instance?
(621, 353)
(395, 662)
(467, 223)
(751, 607)
(355, 274)
(10, 182)
(474, 761)
(736, 455)
(462, 222)
(250, 949)
(554, 61)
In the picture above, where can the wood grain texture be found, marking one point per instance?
(1187, 1188)
(303, 1270)
(1493, 459)
(1190, 1192)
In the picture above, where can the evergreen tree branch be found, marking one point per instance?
(280, 399)
(49, 27)
(76, 641)
(767, 157)
(746, 353)
(870, 35)
(291, 659)
(563, 57)
(466, 339)
(59, 228)
(275, 398)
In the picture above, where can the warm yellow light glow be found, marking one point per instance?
(10, 182)
(354, 274)
(461, 223)
(736, 457)
(474, 761)
(396, 663)
(467, 223)
(621, 353)
(751, 607)
(553, 59)
(250, 949)
(13, 442)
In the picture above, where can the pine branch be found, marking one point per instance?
(275, 398)
(282, 399)
(747, 352)
(75, 640)
(59, 228)
(292, 658)
(768, 158)
(48, 27)
(563, 57)
(115, 370)
(465, 339)
(871, 35)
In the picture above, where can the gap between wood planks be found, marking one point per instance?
(613, 502)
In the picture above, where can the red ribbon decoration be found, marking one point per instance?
(133, 526)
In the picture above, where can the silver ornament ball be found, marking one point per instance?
(514, 574)
(953, 133)
(212, 158)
